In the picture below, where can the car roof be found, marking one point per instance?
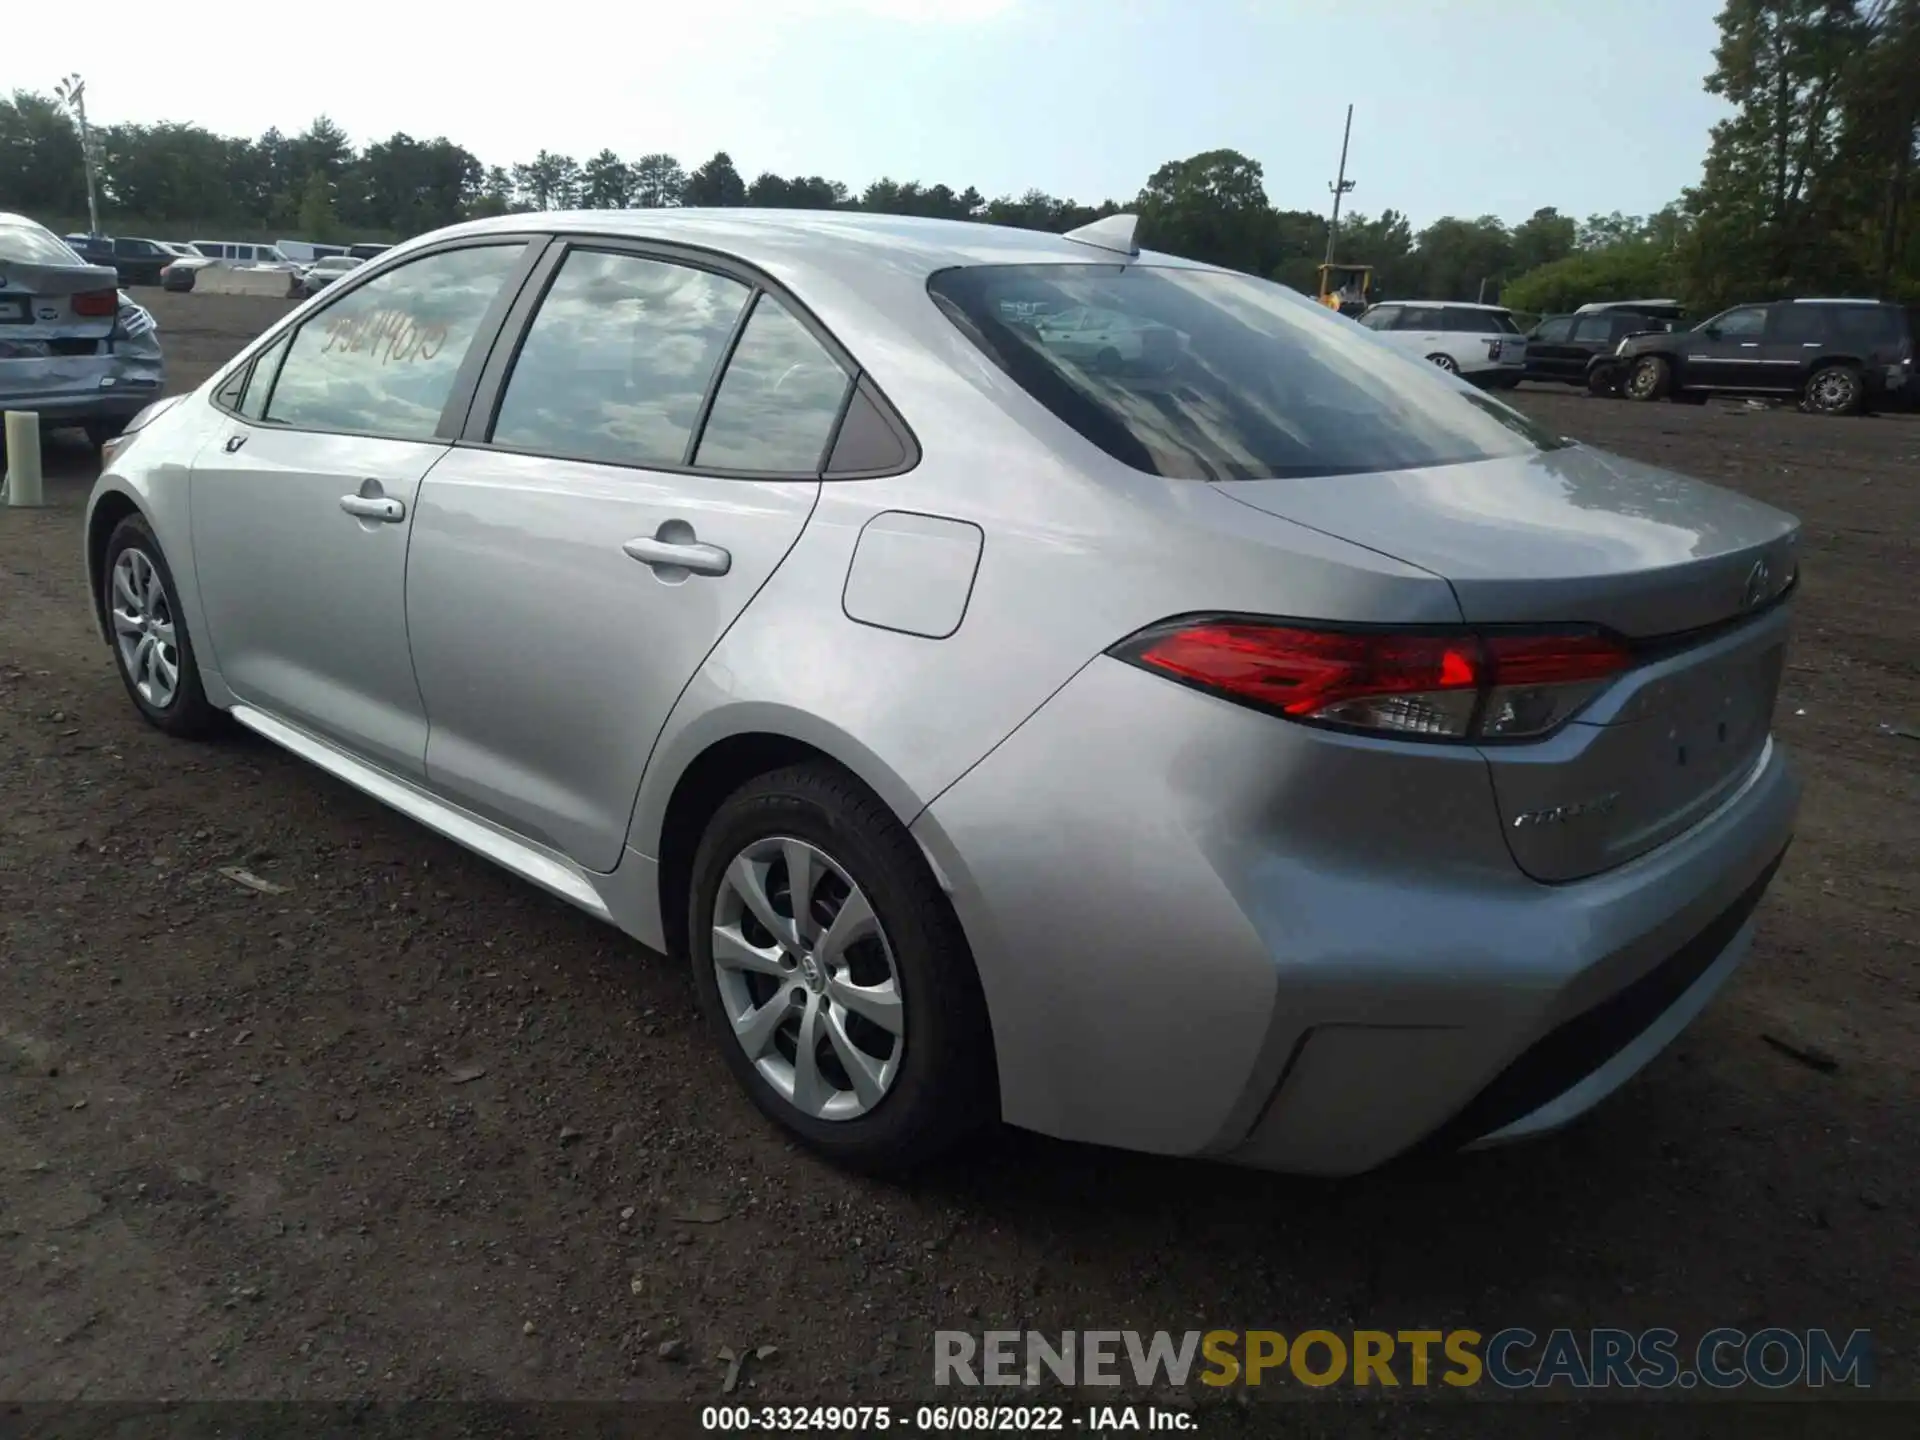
(1450, 304)
(776, 238)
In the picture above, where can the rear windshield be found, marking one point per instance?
(30, 245)
(1205, 375)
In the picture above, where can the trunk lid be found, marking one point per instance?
(40, 303)
(1576, 537)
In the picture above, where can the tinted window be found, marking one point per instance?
(1746, 323)
(1422, 317)
(1230, 378)
(1474, 322)
(618, 359)
(1381, 317)
(1799, 324)
(778, 399)
(1553, 332)
(1864, 324)
(1595, 327)
(382, 360)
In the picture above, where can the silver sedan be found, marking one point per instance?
(1248, 744)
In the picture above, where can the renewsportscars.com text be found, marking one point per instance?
(1514, 1358)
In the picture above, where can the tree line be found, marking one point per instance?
(1810, 187)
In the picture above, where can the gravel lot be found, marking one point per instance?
(409, 1128)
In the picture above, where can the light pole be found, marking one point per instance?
(72, 93)
(1339, 187)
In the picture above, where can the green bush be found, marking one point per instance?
(1637, 271)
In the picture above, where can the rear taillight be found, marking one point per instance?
(1432, 684)
(96, 304)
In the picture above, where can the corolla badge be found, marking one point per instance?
(1562, 814)
(1759, 584)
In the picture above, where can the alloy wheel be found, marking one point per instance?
(1641, 382)
(1832, 390)
(1446, 363)
(143, 628)
(807, 979)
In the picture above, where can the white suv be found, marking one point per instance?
(1481, 342)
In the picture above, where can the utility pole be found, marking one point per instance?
(72, 93)
(1339, 187)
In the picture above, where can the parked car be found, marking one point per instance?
(1561, 348)
(1837, 357)
(1297, 758)
(1481, 342)
(240, 252)
(139, 261)
(368, 251)
(323, 272)
(179, 272)
(305, 252)
(73, 347)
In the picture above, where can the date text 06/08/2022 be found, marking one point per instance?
(931, 1419)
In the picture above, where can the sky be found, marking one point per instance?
(1462, 107)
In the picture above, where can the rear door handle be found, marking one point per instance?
(374, 507)
(694, 556)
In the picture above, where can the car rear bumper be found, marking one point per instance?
(1203, 930)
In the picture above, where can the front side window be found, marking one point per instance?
(1744, 324)
(382, 360)
(777, 402)
(618, 359)
(1226, 377)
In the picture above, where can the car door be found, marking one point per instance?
(1422, 332)
(1724, 353)
(1796, 335)
(1549, 355)
(653, 453)
(1593, 334)
(302, 506)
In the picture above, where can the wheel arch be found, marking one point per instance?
(106, 512)
(708, 760)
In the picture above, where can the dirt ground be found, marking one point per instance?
(410, 1128)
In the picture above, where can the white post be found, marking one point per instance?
(23, 458)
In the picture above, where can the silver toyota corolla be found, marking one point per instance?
(1242, 742)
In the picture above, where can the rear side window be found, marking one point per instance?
(618, 359)
(1596, 327)
(1804, 324)
(777, 403)
(383, 359)
(1225, 377)
(1867, 324)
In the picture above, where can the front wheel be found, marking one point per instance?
(834, 973)
(1651, 378)
(151, 647)
(1445, 362)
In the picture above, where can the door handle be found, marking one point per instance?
(374, 507)
(693, 556)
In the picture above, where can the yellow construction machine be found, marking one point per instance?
(1345, 287)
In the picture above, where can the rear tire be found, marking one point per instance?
(1444, 362)
(929, 1078)
(1651, 378)
(152, 650)
(1834, 390)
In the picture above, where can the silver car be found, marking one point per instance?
(74, 348)
(1286, 754)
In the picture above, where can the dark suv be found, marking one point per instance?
(1561, 348)
(1837, 357)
